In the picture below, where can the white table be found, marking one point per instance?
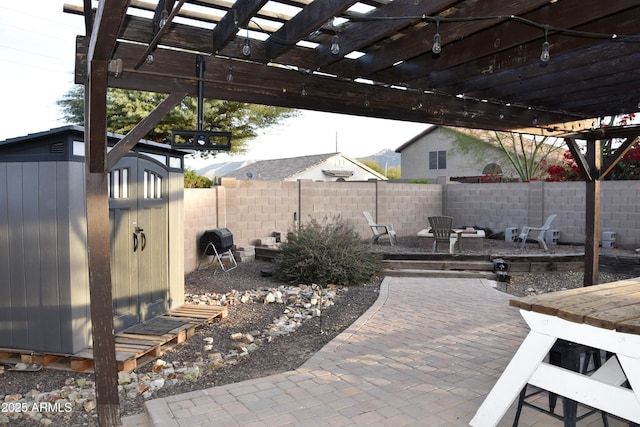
(606, 317)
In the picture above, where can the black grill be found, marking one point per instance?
(221, 238)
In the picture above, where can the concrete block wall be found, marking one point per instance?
(256, 209)
(321, 200)
(493, 206)
(567, 200)
(408, 206)
(620, 207)
(200, 214)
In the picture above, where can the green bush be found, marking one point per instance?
(193, 180)
(327, 253)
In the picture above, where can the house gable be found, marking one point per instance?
(441, 152)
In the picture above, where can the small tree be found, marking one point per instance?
(324, 253)
(528, 157)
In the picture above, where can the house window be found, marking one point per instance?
(437, 159)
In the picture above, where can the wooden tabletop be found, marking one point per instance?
(614, 305)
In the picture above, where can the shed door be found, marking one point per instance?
(138, 220)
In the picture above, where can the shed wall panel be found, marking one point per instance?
(31, 250)
(48, 191)
(5, 277)
(77, 283)
(176, 240)
(17, 280)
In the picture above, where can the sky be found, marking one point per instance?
(37, 46)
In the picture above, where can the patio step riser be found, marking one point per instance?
(440, 273)
(439, 265)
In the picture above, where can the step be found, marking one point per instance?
(453, 274)
(439, 265)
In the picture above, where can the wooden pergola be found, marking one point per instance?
(543, 67)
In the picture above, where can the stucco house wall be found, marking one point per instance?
(461, 161)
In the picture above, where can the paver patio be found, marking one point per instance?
(425, 354)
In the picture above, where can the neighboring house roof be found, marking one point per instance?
(419, 136)
(290, 168)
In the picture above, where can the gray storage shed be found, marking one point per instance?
(44, 283)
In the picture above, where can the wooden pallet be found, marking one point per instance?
(132, 350)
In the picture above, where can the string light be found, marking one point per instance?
(303, 92)
(545, 56)
(230, 75)
(335, 46)
(164, 17)
(437, 47)
(246, 49)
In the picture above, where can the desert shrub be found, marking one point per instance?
(323, 253)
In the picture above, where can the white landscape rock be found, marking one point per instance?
(299, 304)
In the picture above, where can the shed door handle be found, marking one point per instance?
(144, 241)
(135, 242)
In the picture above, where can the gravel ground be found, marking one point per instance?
(283, 353)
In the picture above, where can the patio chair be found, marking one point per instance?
(379, 230)
(441, 228)
(524, 235)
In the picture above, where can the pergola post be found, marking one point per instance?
(99, 247)
(592, 213)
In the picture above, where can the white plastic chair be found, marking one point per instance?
(379, 230)
(524, 235)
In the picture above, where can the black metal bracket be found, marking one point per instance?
(199, 139)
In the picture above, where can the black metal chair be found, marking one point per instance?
(567, 355)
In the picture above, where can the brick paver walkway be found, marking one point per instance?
(426, 354)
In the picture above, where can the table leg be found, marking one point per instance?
(531, 353)
(631, 368)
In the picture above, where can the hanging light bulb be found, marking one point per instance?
(303, 92)
(335, 46)
(246, 49)
(150, 59)
(545, 56)
(437, 47)
(164, 17)
(230, 75)
(366, 100)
